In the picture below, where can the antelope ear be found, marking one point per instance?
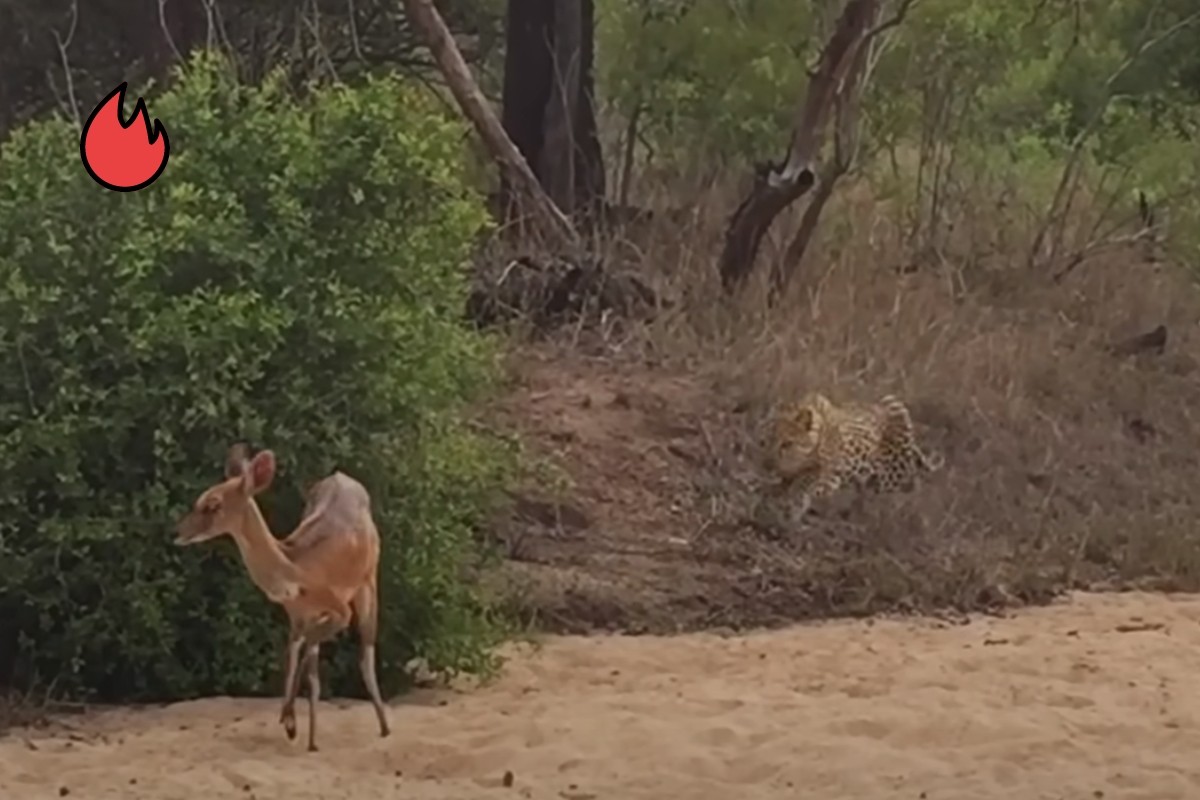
(259, 472)
(236, 460)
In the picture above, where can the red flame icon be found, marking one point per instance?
(118, 155)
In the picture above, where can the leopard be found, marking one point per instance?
(819, 447)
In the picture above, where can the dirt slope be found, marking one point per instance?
(620, 537)
(655, 514)
(1092, 698)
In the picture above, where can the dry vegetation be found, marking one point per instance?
(1070, 454)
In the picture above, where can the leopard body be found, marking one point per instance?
(820, 447)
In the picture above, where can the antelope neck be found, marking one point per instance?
(269, 568)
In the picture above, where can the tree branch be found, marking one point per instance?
(892, 21)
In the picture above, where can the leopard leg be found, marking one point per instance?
(824, 487)
(798, 510)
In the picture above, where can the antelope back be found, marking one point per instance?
(337, 535)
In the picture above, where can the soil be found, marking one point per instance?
(1093, 697)
(652, 518)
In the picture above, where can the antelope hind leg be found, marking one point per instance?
(366, 611)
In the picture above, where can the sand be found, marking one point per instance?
(1097, 696)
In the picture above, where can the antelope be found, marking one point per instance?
(324, 574)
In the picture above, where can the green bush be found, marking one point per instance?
(296, 278)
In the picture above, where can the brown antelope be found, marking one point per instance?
(324, 574)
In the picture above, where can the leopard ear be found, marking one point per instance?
(804, 418)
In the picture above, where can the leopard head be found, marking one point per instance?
(797, 432)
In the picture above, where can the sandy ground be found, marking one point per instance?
(1098, 696)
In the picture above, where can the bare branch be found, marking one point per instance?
(314, 27)
(1037, 13)
(210, 32)
(221, 29)
(166, 30)
(1146, 42)
(1094, 248)
(66, 62)
(354, 31)
(891, 22)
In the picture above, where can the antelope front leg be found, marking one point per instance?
(311, 658)
(291, 682)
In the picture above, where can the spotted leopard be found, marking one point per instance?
(819, 447)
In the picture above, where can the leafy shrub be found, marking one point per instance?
(295, 278)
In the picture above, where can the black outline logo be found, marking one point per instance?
(152, 134)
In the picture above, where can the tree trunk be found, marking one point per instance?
(590, 184)
(558, 147)
(549, 101)
(527, 75)
(515, 169)
(775, 188)
(782, 273)
(846, 104)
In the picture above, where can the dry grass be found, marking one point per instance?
(19, 711)
(1067, 465)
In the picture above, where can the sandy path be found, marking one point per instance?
(1060, 702)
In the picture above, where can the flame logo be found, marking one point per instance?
(118, 155)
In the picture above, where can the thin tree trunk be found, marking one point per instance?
(528, 73)
(590, 181)
(557, 159)
(630, 143)
(549, 101)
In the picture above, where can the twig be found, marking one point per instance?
(1037, 13)
(210, 32)
(314, 27)
(25, 376)
(358, 53)
(1141, 627)
(66, 62)
(220, 19)
(166, 30)
(1092, 248)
